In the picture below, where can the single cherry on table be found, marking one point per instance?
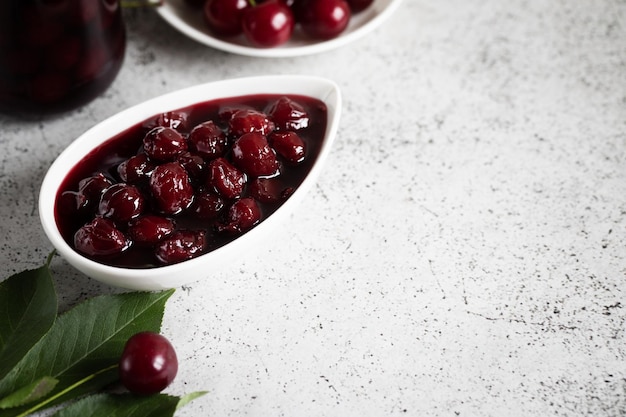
(148, 363)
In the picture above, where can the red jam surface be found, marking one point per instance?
(185, 182)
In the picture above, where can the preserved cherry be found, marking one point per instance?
(188, 181)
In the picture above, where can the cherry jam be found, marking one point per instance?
(57, 55)
(186, 182)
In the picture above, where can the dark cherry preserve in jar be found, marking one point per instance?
(56, 55)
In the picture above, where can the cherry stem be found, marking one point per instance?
(133, 4)
(252, 3)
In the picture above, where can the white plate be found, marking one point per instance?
(218, 260)
(190, 22)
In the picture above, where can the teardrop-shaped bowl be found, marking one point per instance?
(224, 258)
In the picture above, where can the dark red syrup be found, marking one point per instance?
(244, 159)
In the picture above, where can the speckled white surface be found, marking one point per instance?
(464, 251)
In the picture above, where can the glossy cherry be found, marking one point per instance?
(268, 24)
(208, 140)
(100, 239)
(225, 179)
(150, 229)
(181, 246)
(207, 205)
(288, 145)
(241, 216)
(93, 187)
(148, 363)
(136, 168)
(175, 119)
(249, 120)
(121, 202)
(164, 144)
(252, 154)
(171, 188)
(288, 114)
(224, 16)
(269, 190)
(323, 19)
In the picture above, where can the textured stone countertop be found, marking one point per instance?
(463, 252)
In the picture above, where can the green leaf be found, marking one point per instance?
(186, 399)
(87, 340)
(28, 308)
(126, 405)
(29, 393)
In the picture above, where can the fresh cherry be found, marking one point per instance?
(224, 16)
(148, 363)
(268, 24)
(323, 19)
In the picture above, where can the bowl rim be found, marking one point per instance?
(360, 25)
(171, 276)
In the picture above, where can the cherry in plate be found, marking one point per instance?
(268, 24)
(323, 19)
(224, 16)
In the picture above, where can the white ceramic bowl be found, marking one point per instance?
(189, 22)
(204, 266)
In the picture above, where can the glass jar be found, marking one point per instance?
(56, 55)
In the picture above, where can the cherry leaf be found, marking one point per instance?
(28, 308)
(126, 405)
(31, 392)
(86, 340)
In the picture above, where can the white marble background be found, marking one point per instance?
(464, 251)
